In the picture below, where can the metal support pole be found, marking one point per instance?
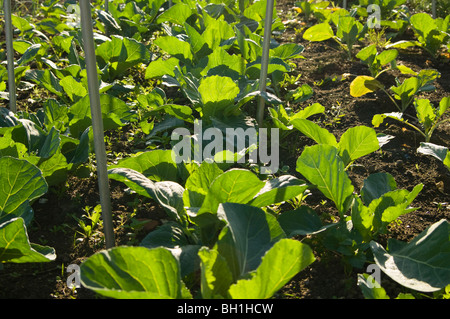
(265, 60)
(433, 8)
(10, 56)
(97, 121)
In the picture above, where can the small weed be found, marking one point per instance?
(93, 215)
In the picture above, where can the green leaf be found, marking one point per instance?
(356, 142)
(302, 221)
(46, 79)
(198, 183)
(133, 272)
(217, 88)
(217, 30)
(169, 235)
(22, 182)
(310, 110)
(73, 88)
(55, 169)
(115, 113)
(406, 91)
(389, 206)
(221, 63)
(175, 47)
(405, 70)
(314, 131)
(233, 186)
(182, 112)
(363, 219)
(216, 276)
(376, 185)
(322, 166)
(300, 94)
(319, 32)
(81, 152)
(371, 290)
(108, 20)
(195, 39)
(280, 264)
(447, 160)
(20, 23)
(172, 236)
(8, 147)
(378, 119)
(120, 54)
(167, 193)
(393, 212)
(55, 115)
(246, 237)
(29, 54)
(364, 84)
(278, 190)
(444, 104)
(287, 51)
(161, 67)
(386, 57)
(46, 145)
(423, 264)
(217, 94)
(156, 165)
(177, 14)
(16, 248)
(348, 29)
(367, 54)
(423, 24)
(274, 65)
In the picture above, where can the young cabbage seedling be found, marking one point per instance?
(404, 91)
(377, 60)
(428, 116)
(431, 33)
(308, 7)
(348, 31)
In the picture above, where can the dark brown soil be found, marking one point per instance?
(328, 277)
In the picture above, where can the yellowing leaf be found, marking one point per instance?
(364, 84)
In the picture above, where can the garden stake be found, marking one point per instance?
(10, 56)
(97, 121)
(433, 9)
(265, 61)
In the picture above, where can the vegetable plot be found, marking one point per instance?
(355, 132)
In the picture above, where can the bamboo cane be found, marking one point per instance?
(10, 56)
(97, 121)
